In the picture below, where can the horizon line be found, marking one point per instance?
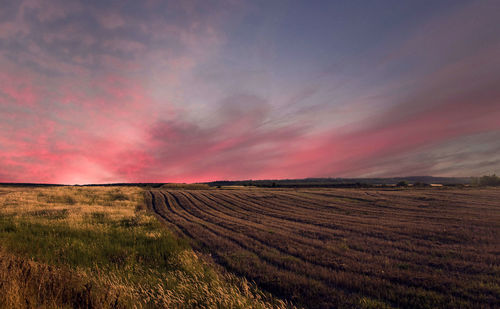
(219, 180)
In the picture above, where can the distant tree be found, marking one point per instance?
(402, 184)
(421, 184)
(489, 180)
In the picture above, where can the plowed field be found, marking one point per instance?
(323, 248)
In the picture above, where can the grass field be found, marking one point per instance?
(323, 248)
(98, 247)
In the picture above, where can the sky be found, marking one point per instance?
(192, 91)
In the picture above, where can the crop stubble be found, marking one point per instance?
(349, 247)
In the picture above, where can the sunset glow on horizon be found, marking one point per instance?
(192, 91)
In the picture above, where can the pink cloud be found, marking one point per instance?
(19, 89)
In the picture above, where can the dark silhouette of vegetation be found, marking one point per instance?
(285, 183)
(342, 182)
(402, 184)
(488, 180)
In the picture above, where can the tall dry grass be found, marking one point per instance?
(98, 247)
(25, 283)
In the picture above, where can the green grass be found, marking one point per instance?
(117, 244)
(104, 240)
